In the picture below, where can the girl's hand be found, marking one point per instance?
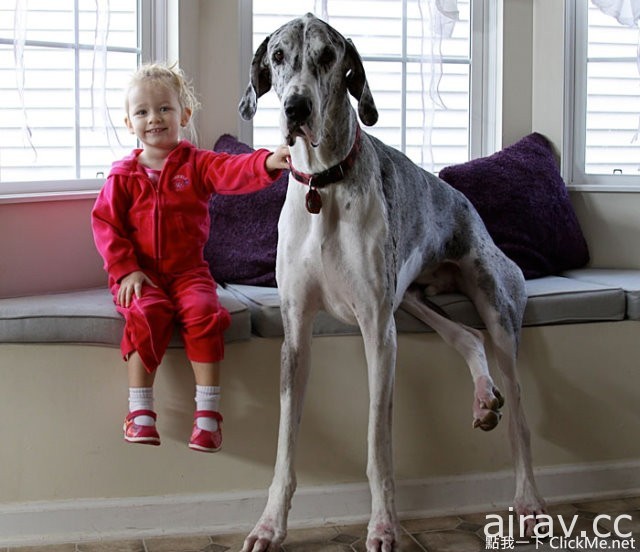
(278, 160)
(132, 284)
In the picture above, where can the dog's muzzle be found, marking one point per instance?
(298, 110)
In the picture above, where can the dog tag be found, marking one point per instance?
(313, 201)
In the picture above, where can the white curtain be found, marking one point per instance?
(100, 116)
(19, 40)
(438, 20)
(627, 12)
(447, 14)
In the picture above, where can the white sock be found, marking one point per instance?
(141, 398)
(207, 398)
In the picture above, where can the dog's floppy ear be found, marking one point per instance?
(259, 82)
(358, 86)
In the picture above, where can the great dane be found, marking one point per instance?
(364, 230)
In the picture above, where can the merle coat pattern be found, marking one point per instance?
(386, 234)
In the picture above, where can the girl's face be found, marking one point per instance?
(155, 115)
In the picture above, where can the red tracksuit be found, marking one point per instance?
(161, 228)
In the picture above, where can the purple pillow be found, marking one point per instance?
(244, 229)
(520, 195)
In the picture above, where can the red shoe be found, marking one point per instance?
(203, 440)
(142, 434)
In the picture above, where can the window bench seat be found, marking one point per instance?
(89, 316)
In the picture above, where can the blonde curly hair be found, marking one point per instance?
(173, 77)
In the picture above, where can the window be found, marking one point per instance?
(604, 92)
(63, 67)
(425, 107)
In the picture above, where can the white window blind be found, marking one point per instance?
(613, 97)
(424, 104)
(605, 98)
(63, 67)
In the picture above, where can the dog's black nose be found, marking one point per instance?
(297, 108)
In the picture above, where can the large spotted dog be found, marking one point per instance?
(361, 227)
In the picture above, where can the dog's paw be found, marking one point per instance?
(486, 405)
(382, 538)
(527, 506)
(528, 514)
(264, 538)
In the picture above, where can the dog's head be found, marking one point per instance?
(311, 67)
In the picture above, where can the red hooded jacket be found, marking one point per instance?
(163, 227)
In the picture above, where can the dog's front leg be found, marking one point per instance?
(380, 349)
(271, 529)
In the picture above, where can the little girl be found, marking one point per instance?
(150, 224)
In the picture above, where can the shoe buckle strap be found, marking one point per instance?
(208, 414)
(137, 413)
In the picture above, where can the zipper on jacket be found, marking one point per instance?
(156, 224)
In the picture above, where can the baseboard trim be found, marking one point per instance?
(81, 520)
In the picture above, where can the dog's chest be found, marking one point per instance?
(338, 253)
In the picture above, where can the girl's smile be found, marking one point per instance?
(155, 116)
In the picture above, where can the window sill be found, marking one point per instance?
(47, 196)
(26, 192)
(607, 188)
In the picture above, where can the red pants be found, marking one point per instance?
(188, 300)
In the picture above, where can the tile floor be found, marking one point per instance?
(444, 534)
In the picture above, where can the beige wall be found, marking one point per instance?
(547, 73)
(219, 70)
(611, 225)
(82, 390)
(516, 70)
(208, 38)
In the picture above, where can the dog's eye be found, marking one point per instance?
(278, 57)
(327, 56)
